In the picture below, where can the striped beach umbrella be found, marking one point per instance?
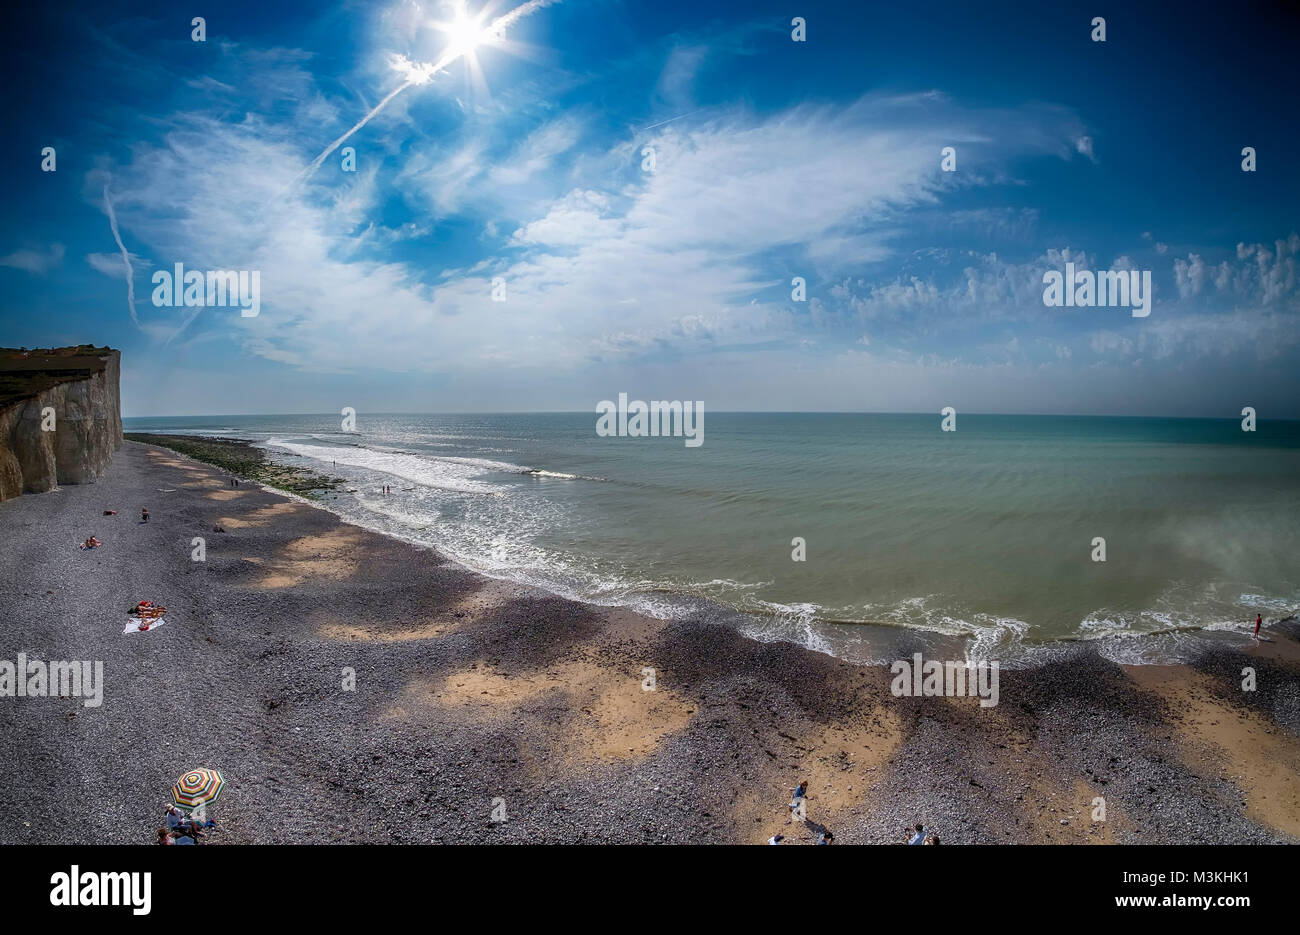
(197, 787)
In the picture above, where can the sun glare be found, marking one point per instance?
(464, 34)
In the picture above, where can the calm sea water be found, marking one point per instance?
(985, 533)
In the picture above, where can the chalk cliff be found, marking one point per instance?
(80, 386)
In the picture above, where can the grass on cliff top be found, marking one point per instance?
(26, 373)
(240, 458)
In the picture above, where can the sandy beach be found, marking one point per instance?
(473, 694)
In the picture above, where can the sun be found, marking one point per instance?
(464, 34)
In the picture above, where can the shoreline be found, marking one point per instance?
(241, 458)
(884, 641)
(470, 688)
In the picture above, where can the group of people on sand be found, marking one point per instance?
(918, 835)
(93, 543)
(798, 808)
(182, 828)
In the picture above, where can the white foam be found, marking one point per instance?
(458, 474)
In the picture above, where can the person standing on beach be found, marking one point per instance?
(917, 836)
(1258, 621)
(144, 514)
(798, 810)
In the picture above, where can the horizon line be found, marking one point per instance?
(876, 412)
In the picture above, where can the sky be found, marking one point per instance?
(527, 165)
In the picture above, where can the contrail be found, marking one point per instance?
(126, 258)
(420, 73)
(669, 120)
(315, 163)
(518, 13)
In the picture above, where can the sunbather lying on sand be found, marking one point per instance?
(91, 543)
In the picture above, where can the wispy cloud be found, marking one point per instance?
(37, 262)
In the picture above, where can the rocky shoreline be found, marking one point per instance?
(357, 689)
(238, 457)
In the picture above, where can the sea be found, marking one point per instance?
(839, 530)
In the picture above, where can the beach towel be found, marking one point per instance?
(134, 624)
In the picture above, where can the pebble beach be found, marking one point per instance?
(354, 688)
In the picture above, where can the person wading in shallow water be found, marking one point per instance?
(1258, 621)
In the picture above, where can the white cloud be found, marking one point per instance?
(110, 264)
(37, 262)
(1190, 275)
(623, 264)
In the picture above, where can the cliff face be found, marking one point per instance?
(81, 385)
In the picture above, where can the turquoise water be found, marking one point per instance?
(984, 533)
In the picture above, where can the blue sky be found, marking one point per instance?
(773, 159)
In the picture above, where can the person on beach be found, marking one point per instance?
(797, 806)
(195, 828)
(776, 839)
(1258, 621)
(826, 837)
(144, 514)
(932, 839)
(175, 817)
(91, 543)
(917, 834)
